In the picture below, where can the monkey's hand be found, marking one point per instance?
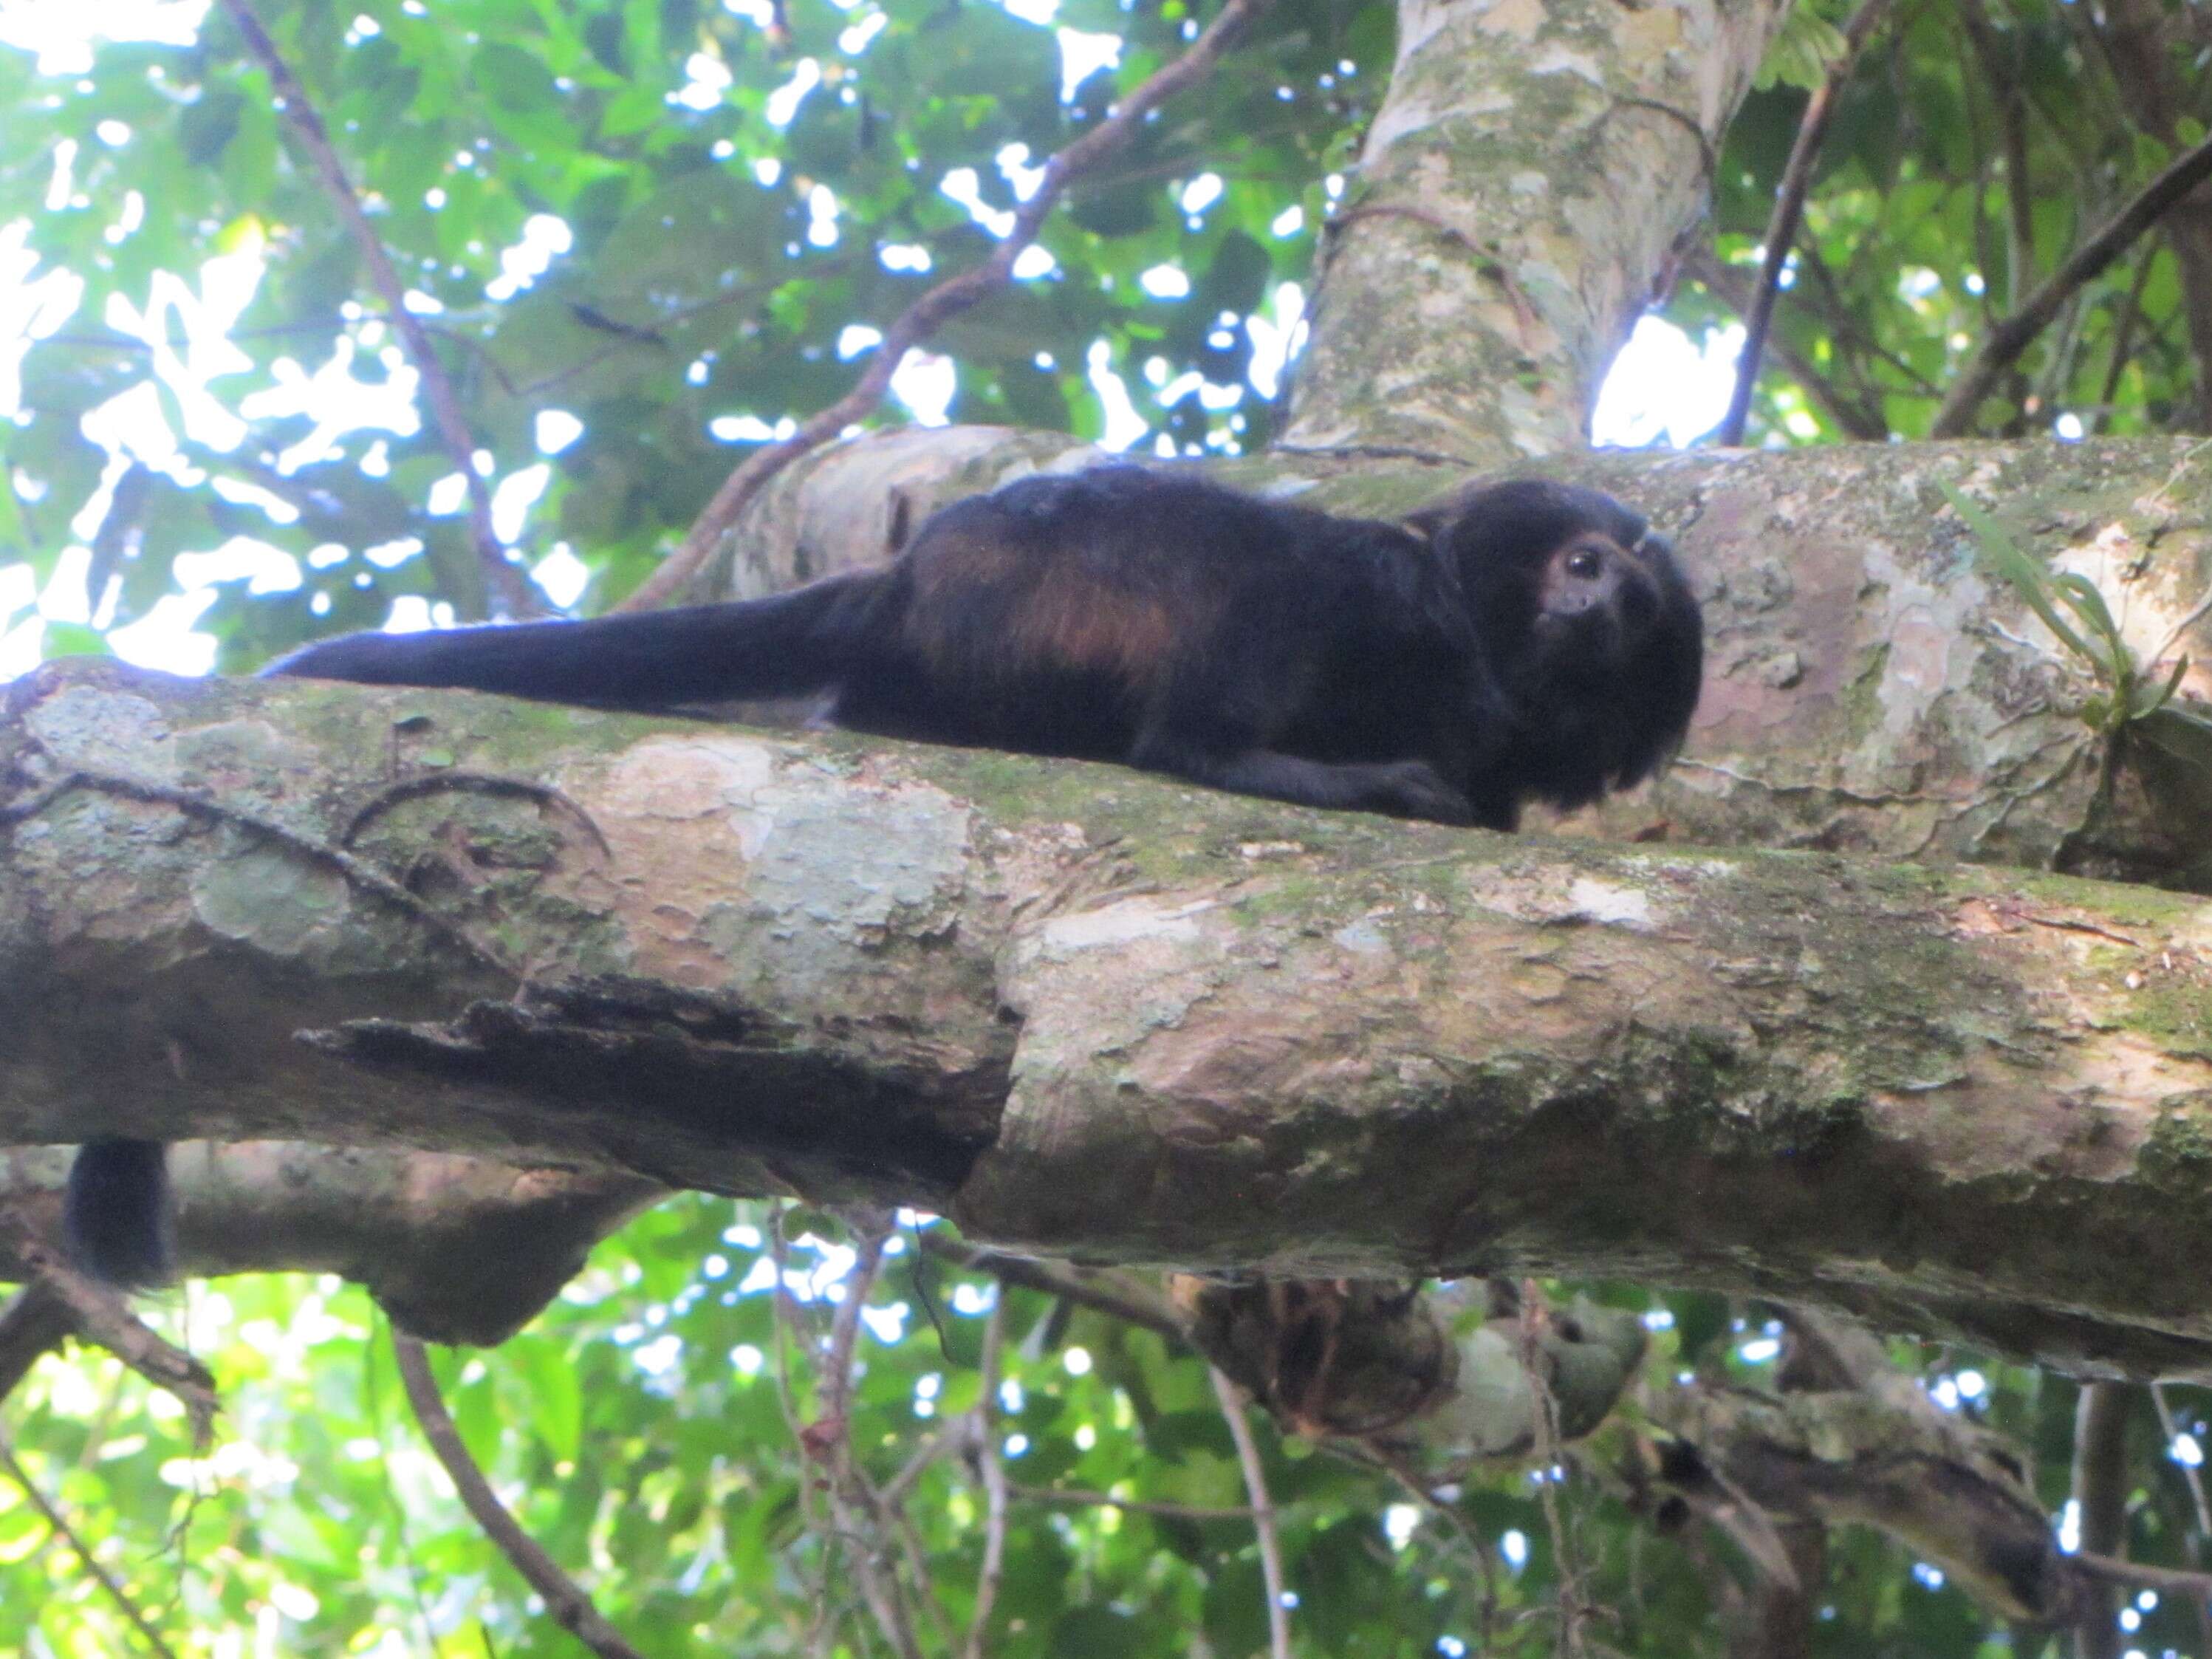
(1405, 789)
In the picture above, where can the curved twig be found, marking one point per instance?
(475, 783)
(993, 1470)
(1263, 1513)
(356, 870)
(1788, 208)
(572, 1610)
(54, 1518)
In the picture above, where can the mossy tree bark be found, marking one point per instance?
(1088, 1011)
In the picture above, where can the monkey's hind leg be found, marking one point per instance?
(1405, 789)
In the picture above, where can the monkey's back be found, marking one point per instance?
(1064, 614)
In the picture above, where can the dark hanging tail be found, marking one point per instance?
(115, 1216)
(790, 643)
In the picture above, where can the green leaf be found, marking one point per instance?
(1097, 1632)
(1803, 49)
(2030, 579)
(205, 127)
(2150, 699)
(513, 78)
(62, 638)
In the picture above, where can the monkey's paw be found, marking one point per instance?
(1415, 789)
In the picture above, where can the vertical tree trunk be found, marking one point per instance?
(1517, 205)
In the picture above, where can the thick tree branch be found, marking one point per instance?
(1084, 1011)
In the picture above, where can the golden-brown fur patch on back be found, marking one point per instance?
(1086, 624)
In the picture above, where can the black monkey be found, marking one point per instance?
(1524, 640)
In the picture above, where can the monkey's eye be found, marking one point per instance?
(1585, 563)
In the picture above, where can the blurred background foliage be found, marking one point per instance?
(646, 235)
(645, 1431)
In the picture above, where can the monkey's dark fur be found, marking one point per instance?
(1528, 639)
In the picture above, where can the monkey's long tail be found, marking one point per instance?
(789, 643)
(115, 1215)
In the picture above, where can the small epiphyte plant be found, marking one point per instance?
(2129, 691)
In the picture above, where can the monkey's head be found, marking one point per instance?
(1590, 636)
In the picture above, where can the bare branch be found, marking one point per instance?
(2100, 1490)
(1090, 1289)
(1788, 208)
(845, 1327)
(100, 1317)
(2124, 340)
(502, 579)
(857, 1509)
(2194, 1480)
(2012, 337)
(827, 1615)
(2174, 1581)
(565, 1599)
(59, 1523)
(1263, 1514)
(941, 304)
(32, 1326)
(993, 1471)
(1734, 286)
(1417, 1485)
(2190, 1474)
(1535, 1315)
(2009, 99)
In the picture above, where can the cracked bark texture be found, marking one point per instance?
(1094, 1013)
